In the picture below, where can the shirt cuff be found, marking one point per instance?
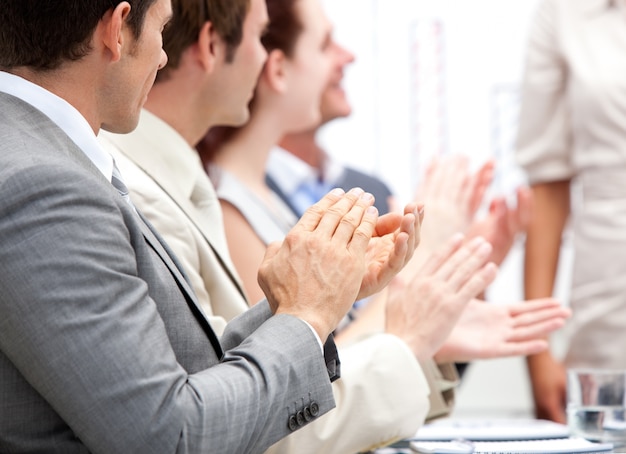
(319, 341)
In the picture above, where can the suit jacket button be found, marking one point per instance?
(307, 413)
(292, 423)
(315, 409)
(300, 418)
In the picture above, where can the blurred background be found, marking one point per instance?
(438, 77)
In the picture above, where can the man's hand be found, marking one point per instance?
(497, 330)
(503, 224)
(391, 248)
(316, 272)
(423, 310)
(452, 195)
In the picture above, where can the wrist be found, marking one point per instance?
(318, 326)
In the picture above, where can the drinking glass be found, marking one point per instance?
(596, 404)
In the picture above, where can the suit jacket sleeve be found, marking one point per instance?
(382, 397)
(443, 380)
(82, 339)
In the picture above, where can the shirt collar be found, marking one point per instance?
(63, 114)
(288, 171)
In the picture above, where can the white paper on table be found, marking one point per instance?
(551, 446)
(490, 430)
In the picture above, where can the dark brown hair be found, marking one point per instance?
(284, 28)
(42, 34)
(282, 34)
(227, 17)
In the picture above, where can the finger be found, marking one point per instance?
(481, 181)
(405, 240)
(352, 219)
(419, 219)
(411, 225)
(532, 305)
(397, 257)
(388, 223)
(363, 233)
(536, 330)
(541, 315)
(499, 218)
(438, 258)
(312, 216)
(412, 235)
(465, 262)
(478, 282)
(334, 215)
(524, 207)
(420, 213)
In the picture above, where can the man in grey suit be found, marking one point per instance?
(103, 347)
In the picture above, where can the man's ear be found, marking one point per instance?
(276, 70)
(210, 47)
(115, 33)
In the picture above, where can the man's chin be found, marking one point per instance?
(335, 115)
(121, 128)
(235, 120)
(117, 129)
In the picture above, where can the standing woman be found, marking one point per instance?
(573, 132)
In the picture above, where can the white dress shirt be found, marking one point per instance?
(63, 114)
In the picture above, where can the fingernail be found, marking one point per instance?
(338, 192)
(356, 191)
(367, 196)
(372, 211)
(458, 237)
(475, 242)
(485, 248)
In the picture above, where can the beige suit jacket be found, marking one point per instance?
(383, 394)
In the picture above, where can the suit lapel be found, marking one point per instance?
(187, 208)
(168, 258)
(170, 180)
(220, 255)
(71, 149)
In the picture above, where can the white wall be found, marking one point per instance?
(482, 42)
(473, 93)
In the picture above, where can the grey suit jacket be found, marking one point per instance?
(102, 345)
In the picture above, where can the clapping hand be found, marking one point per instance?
(423, 309)
(317, 271)
(487, 330)
(395, 239)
